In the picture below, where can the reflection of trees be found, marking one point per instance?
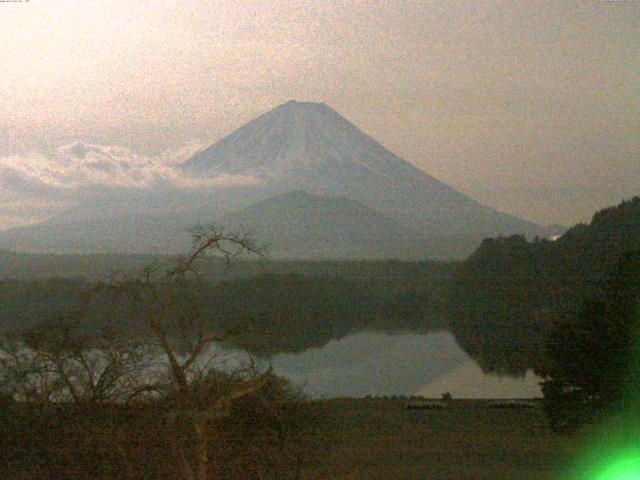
(291, 313)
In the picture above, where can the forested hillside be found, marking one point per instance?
(506, 297)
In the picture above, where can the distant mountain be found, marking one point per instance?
(294, 225)
(125, 235)
(310, 147)
(296, 147)
(302, 225)
(301, 217)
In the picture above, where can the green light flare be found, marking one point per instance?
(611, 447)
(624, 467)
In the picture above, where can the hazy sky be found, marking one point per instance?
(530, 107)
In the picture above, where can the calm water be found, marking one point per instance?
(374, 363)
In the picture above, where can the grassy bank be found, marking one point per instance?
(380, 439)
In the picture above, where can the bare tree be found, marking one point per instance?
(199, 394)
(169, 353)
(58, 362)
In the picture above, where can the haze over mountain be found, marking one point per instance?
(354, 197)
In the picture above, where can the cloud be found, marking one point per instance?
(44, 185)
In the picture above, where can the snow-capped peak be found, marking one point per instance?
(298, 139)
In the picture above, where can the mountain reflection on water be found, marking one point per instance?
(379, 363)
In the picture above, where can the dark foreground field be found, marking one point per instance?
(380, 439)
(340, 439)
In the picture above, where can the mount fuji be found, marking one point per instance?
(310, 176)
(304, 146)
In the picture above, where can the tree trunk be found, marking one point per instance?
(201, 449)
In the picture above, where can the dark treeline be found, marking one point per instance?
(270, 312)
(296, 304)
(25, 303)
(507, 297)
(26, 266)
(294, 312)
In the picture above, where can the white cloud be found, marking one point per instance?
(34, 187)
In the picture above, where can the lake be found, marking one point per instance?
(380, 363)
